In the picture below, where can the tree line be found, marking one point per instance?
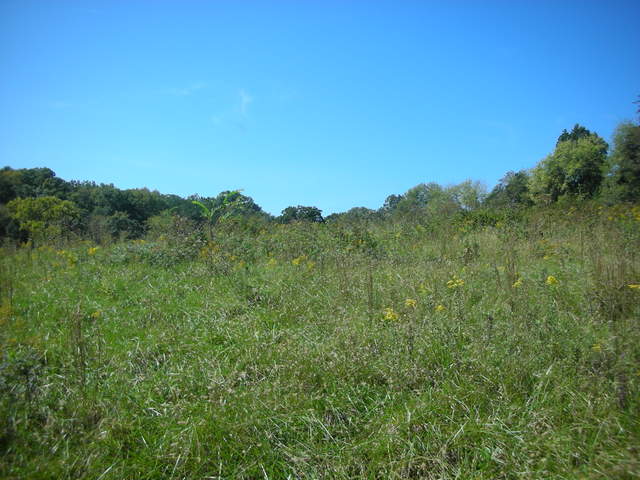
(35, 203)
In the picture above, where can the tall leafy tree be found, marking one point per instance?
(301, 214)
(44, 217)
(354, 215)
(390, 204)
(511, 191)
(576, 134)
(624, 180)
(576, 167)
(469, 194)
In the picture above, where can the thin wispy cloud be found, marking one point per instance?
(188, 90)
(245, 101)
(237, 111)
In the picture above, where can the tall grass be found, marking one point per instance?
(271, 352)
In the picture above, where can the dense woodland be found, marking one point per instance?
(36, 204)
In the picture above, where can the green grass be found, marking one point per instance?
(267, 354)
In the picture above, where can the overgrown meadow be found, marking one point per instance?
(399, 349)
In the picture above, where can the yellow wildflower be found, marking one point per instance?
(390, 314)
(455, 282)
(634, 286)
(551, 280)
(597, 348)
(410, 302)
(299, 260)
(95, 315)
(517, 283)
(272, 262)
(92, 250)
(440, 308)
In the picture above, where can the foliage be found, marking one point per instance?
(511, 191)
(354, 215)
(33, 182)
(301, 214)
(44, 217)
(225, 205)
(430, 200)
(624, 181)
(500, 347)
(576, 167)
(108, 212)
(391, 203)
(576, 134)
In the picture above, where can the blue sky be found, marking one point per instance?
(335, 104)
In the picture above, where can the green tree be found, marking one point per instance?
(44, 218)
(390, 204)
(576, 168)
(31, 182)
(624, 178)
(354, 215)
(577, 133)
(416, 199)
(469, 194)
(301, 214)
(220, 208)
(511, 191)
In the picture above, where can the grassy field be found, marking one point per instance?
(391, 350)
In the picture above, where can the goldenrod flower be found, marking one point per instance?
(440, 308)
(517, 283)
(410, 302)
(455, 282)
(551, 280)
(390, 314)
(299, 260)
